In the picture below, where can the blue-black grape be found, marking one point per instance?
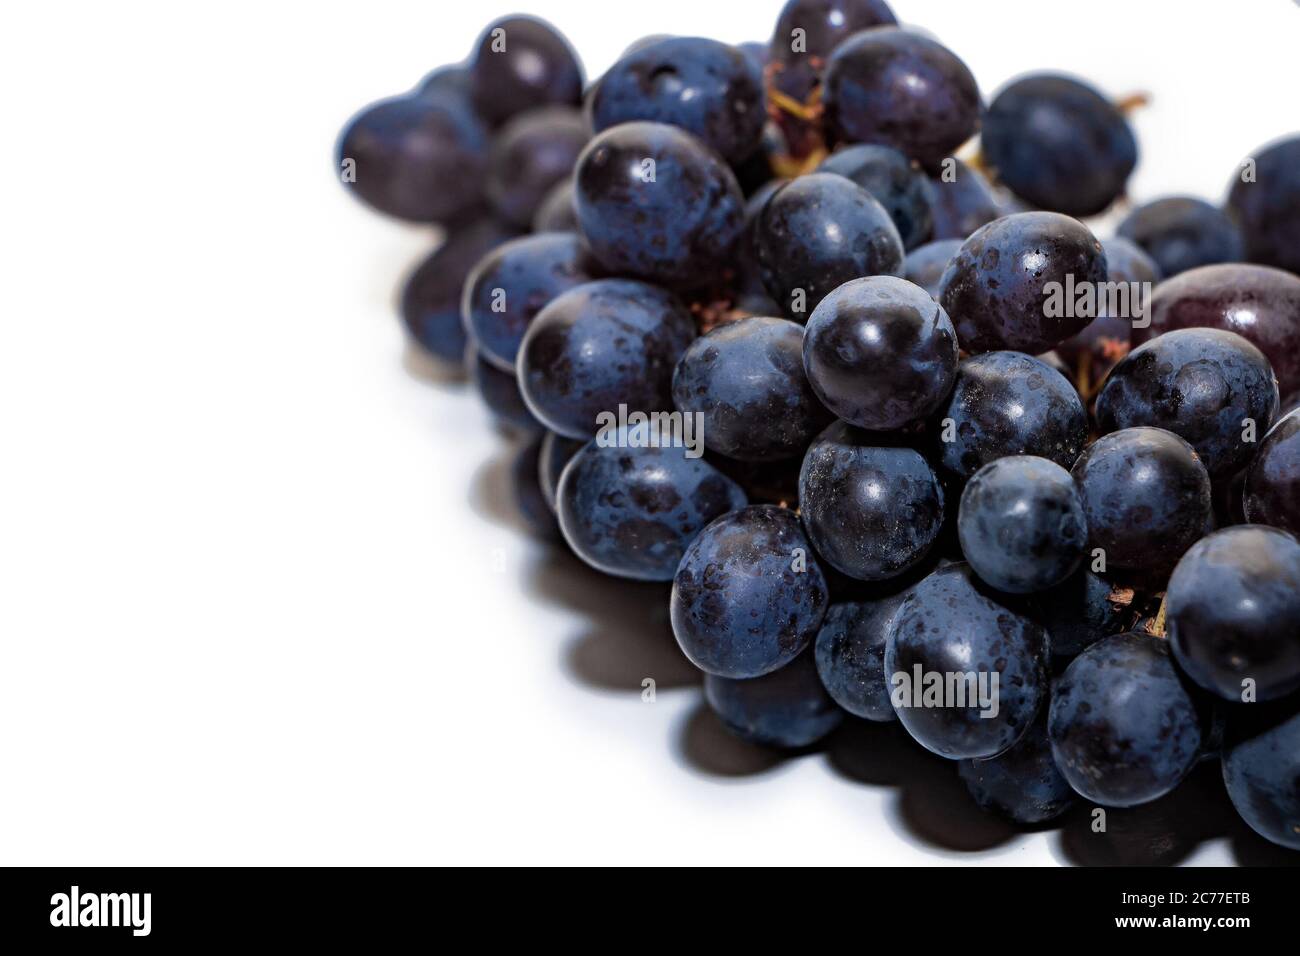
(1146, 496)
(600, 345)
(1272, 487)
(531, 154)
(894, 181)
(499, 391)
(1023, 782)
(1267, 206)
(556, 212)
(850, 654)
(960, 201)
(1232, 613)
(1124, 729)
(785, 708)
(1105, 340)
(710, 89)
(555, 452)
(880, 352)
(514, 282)
(653, 201)
(817, 232)
(746, 379)
(997, 289)
(419, 158)
(522, 63)
(1210, 387)
(1059, 144)
(431, 297)
(1259, 303)
(821, 26)
(951, 631)
(901, 89)
(925, 265)
(1182, 232)
(1007, 403)
(1021, 524)
(873, 511)
(1078, 612)
(1261, 769)
(749, 595)
(632, 511)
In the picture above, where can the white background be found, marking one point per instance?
(263, 600)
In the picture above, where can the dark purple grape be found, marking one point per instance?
(1260, 304)
(960, 201)
(530, 500)
(555, 452)
(1204, 385)
(1232, 613)
(1267, 208)
(533, 152)
(872, 511)
(1078, 612)
(600, 345)
(631, 511)
(850, 655)
(998, 289)
(901, 89)
(1182, 232)
(655, 202)
(453, 78)
(880, 353)
(949, 630)
(925, 265)
(1021, 524)
(1022, 783)
(1261, 769)
(1272, 485)
(1146, 496)
(522, 63)
(1006, 403)
(431, 297)
(1105, 340)
(707, 88)
(1058, 144)
(514, 282)
(822, 25)
(500, 393)
(786, 708)
(417, 158)
(749, 596)
(1124, 729)
(894, 181)
(746, 380)
(557, 212)
(817, 232)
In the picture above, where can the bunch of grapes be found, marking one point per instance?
(908, 440)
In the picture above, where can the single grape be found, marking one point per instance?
(871, 511)
(808, 30)
(960, 201)
(817, 232)
(894, 181)
(555, 452)
(1204, 385)
(850, 654)
(416, 158)
(1261, 769)
(948, 629)
(925, 265)
(1146, 496)
(631, 511)
(530, 500)
(786, 708)
(1021, 524)
(431, 297)
(453, 78)
(899, 88)
(500, 393)
(1272, 486)
(1124, 729)
(557, 213)
(710, 89)
(998, 288)
(1058, 144)
(746, 380)
(522, 63)
(1022, 783)
(655, 202)
(1105, 340)
(532, 153)
(600, 345)
(1260, 304)
(1182, 232)
(748, 596)
(1079, 612)
(880, 352)
(1267, 206)
(1233, 613)
(1006, 403)
(512, 283)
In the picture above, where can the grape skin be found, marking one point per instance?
(786, 708)
(1272, 481)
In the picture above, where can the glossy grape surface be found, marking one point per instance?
(894, 181)
(1272, 486)
(1261, 769)
(1268, 209)
(850, 655)
(786, 708)
(1182, 232)
(960, 201)
(531, 154)
(522, 63)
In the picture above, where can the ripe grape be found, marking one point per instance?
(1272, 486)
(823, 25)
(1181, 233)
(532, 153)
(1021, 783)
(850, 654)
(894, 181)
(1261, 767)
(925, 265)
(1267, 206)
(522, 63)
(960, 201)
(785, 708)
